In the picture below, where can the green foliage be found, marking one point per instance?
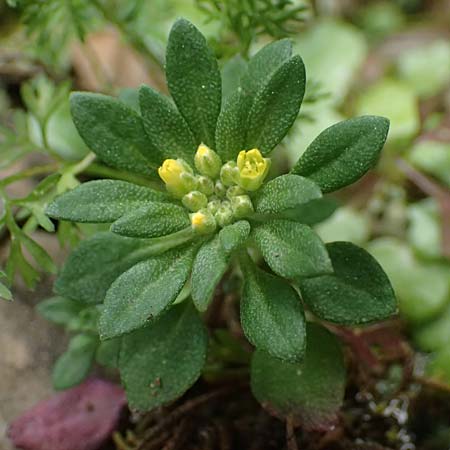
(311, 391)
(166, 252)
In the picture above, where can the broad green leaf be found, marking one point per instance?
(108, 353)
(357, 292)
(73, 366)
(165, 127)
(59, 310)
(434, 334)
(232, 72)
(272, 315)
(5, 293)
(422, 287)
(291, 249)
(285, 192)
(160, 362)
(143, 292)
(343, 153)
(232, 236)
(232, 123)
(210, 264)
(102, 201)
(194, 80)
(152, 220)
(264, 64)
(276, 106)
(311, 391)
(96, 263)
(114, 132)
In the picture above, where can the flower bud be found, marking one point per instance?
(214, 205)
(178, 177)
(229, 173)
(233, 191)
(207, 161)
(203, 222)
(241, 206)
(220, 189)
(205, 185)
(253, 169)
(224, 214)
(194, 200)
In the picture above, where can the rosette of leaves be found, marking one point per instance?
(155, 272)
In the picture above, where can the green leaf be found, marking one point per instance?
(144, 291)
(194, 80)
(264, 64)
(312, 212)
(232, 123)
(291, 249)
(209, 265)
(108, 353)
(114, 132)
(73, 366)
(42, 258)
(285, 192)
(5, 293)
(311, 391)
(358, 292)
(165, 127)
(152, 220)
(96, 263)
(272, 315)
(276, 106)
(343, 153)
(159, 363)
(102, 201)
(233, 236)
(59, 310)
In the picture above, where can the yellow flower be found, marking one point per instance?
(178, 177)
(253, 169)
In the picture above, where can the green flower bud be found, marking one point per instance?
(233, 191)
(207, 161)
(178, 177)
(205, 185)
(203, 222)
(253, 169)
(214, 205)
(229, 173)
(242, 206)
(220, 189)
(224, 214)
(194, 200)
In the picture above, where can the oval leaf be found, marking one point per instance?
(165, 127)
(152, 220)
(114, 132)
(358, 292)
(276, 106)
(272, 315)
(285, 192)
(144, 291)
(194, 80)
(344, 152)
(291, 249)
(311, 391)
(160, 362)
(102, 201)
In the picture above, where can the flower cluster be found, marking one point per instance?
(219, 194)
